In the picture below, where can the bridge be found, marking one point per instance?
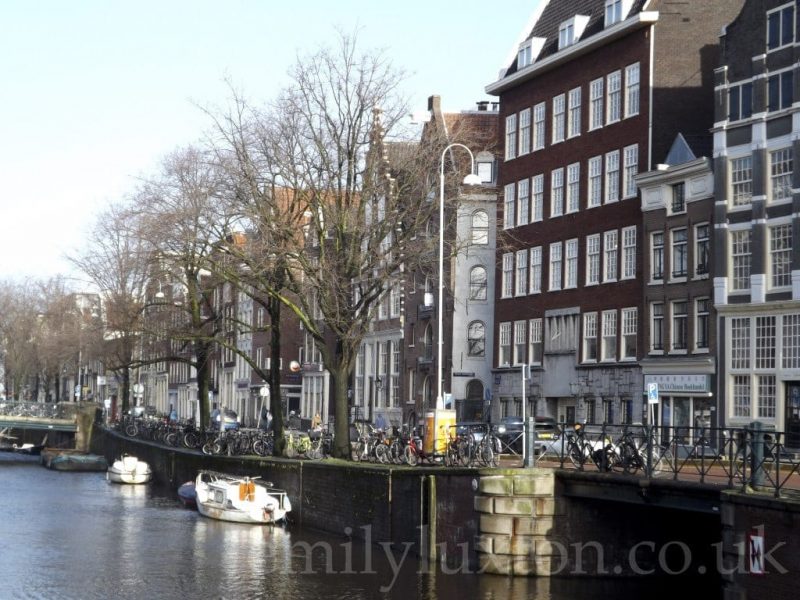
(25, 420)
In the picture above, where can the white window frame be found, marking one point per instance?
(679, 253)
(613, 97)
(510, 205)
(741, 174)
(520, 342)
(632, 95)
(539, 116)
(657, 326)
(679, 321)
(571, 264)
(702, 320)
(610, 256)
(608, 342)
(556, 266)
(535, 344)
(612, 176)
(511, 137)
(557, 192)
(504, 344)
(507, 282)
(628, 252)
(590, 334)
(559, 118)
(573, 187)
(574, 116)
(537, 198)
(523, 201)
(535, 282)
(631, 168)
(741, 242)
(780, 255)
(657, 256)
(630, 320)
(780, 43)
(522, 273)
(594, 197)
(596, 104)
(593, 265)
(524, 132)
(781, 164)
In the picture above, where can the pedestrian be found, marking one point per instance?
(316, 422)
(380, 422)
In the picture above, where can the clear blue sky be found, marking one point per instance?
(96, 92)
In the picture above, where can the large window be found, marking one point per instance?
(740, 343)
(740, 101)
(780, 27)
(573, 187)
(702, 248)
(507, 284)
(742, 180)
(520, 341)
(765, 342)
(480, 228)
(557, 193)
(596, 104)
(522, 272)
(536, 270)
(632, 90)
(701, 323)
(477, 283)
(766, 396)
(610, 252)
(504, 355)
(780, 90)
(781, 169)
(535, 347)
(612, 176)
(680, 325)
(538, 125)
(595, 196)
(571, 275)
(741, 396)
(510, 204)
(537, 208)
(523, 201)
(609, 342)
(590, 337)
(574, 118)
(679, 252)
(657, 326)
(791, 341)
(511, 136)
(524, 131)
(614, 93)
(476, 339)
(740, 259)
(556, 260)
(593, 259)
(631, 167)
(629, 252)
(629, 324)
(780, 255)
(559, 118)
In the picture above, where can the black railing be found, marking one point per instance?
(749, 458)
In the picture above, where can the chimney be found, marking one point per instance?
(483, 105)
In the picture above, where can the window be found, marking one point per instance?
(537, 210)
(632, 90)
(523, 201)
(522, 272)
(780, 88)
(558, 118)
(612, 176)
(679, 252)
(574, 118)
(504, 356)
(593, 259)
(555, 266)
(480, 228)
(520, 341)
(573, 187)
(507, 286)
(477, 283)
(741, 396)
(476, 339)
(616, 11)
(536, 270)
(566, 34)
(590, 337)
(657, 326)
(609, 349)
(631, 159)
(610, 256)
(486, 171)
(740, 102)
(679, 198)
(538, 125)
(742, 180)
(557, 193)
(680, 325)
(614, 92)
(791, 341)
(629, 252)
(780, 27)
(740, 343)
(394, 300)
(702, 248)
(595, 181)
(510, 206)
(571, 275)
(781, 169)
(765, 343)
(780, 255)
(740, 263)
(596, 104)
(525, 54)
(427, 343)
(629, 322)
(535, 347)
(524, 131)
(511, 136)
(766, 396)
(701, 323)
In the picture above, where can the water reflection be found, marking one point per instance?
(74, 535)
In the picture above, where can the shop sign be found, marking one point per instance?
(679, 384)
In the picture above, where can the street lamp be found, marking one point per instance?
(471, 179)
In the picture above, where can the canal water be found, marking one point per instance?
(76, 536)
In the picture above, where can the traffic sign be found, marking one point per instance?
(652, 393)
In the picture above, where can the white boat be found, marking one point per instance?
(129, 469)
(239, 499)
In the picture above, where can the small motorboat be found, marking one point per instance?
(187, 495)
(28, 448)
(240, 499)
(129, 469)
(59, 459)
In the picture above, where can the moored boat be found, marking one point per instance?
(187, 495)
(59, 459)
(129, 469)
(240, 499)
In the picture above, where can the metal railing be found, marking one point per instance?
(749, 458)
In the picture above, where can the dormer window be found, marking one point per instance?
(528, 51)
(571, 30)
(617, 10)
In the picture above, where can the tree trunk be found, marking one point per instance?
(341, 447)
(274, 311)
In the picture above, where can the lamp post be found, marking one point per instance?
(471, 179)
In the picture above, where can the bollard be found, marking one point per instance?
(529, 432)
(757, 475)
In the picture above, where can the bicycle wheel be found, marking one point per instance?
(487, 454)
(411, 456)
(464, 452)
(190, 439)
(131, 431)
(575, 454)
(208, 447)
(381, 453)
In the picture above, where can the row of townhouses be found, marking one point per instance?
(634, 226)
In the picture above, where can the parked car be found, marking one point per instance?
(510, 430)
(225, 419)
